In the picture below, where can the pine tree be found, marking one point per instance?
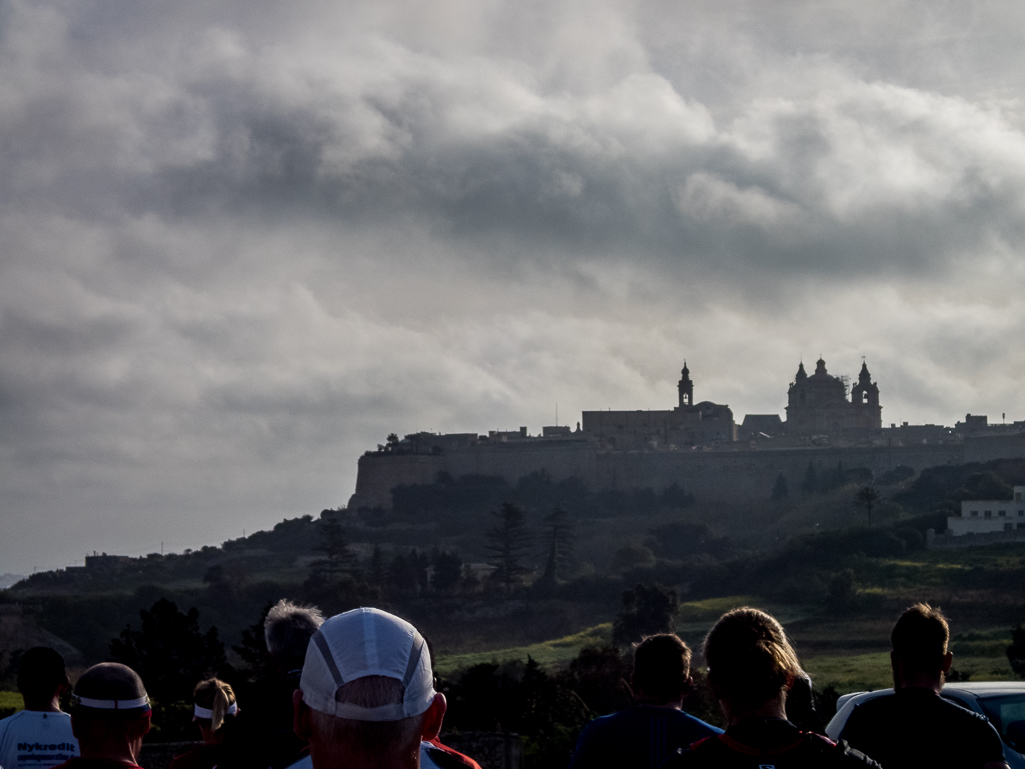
(378, 567)
(338, 558)
(811, 480)
(780, 490)
(508, 543)
(448, 570)
(559, 540)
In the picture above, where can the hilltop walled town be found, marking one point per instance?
(696, 445)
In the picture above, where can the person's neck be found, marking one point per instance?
(42, 704)
(357, 760)
(650, 703)
(126, 751)
(933, 683)
(775, 708)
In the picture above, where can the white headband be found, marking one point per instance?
(88, 702)
(205, 713)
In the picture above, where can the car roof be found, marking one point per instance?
(987, 687)
(983, 689)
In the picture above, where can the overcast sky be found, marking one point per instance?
(243, 241)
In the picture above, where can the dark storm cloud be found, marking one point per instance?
(243, 242)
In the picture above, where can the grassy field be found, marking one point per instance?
(10, 700)
(549, 654)
(847, 654)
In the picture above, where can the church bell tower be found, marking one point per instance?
(686, 388)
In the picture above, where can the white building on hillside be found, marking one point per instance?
(989, 515)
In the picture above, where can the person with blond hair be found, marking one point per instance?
(915, 726)
(214, 712)
(751, 666)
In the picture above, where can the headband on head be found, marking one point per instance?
(89, 702)
(200, 712)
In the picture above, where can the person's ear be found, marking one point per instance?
(433, 718)
(790, 681)
(688, 684)
(948, 659)
(140, 727)
(300, 715)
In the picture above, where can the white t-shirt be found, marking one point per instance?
(31, 739)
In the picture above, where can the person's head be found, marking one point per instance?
(214, 706)
(919, 639)
(366, 697)
(287, 631)
(111, 712)
(42, 678)
(751, 663)
(661, 669)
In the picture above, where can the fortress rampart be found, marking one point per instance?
(733, 475)
(696, 446)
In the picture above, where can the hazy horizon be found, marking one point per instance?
(245, 242)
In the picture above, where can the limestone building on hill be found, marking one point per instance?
(689, 424)
(818, 405)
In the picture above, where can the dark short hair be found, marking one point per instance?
(41, 667)
(661, 667)
(109, 681)
(920, 638)
(749, 658)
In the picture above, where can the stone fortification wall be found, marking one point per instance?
(735, 475)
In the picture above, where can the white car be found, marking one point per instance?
(1002, 702)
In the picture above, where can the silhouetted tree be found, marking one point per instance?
(779, 489)
(559, 541)
(253, 649)
(647, 609)
(170, 652)
(508, 543)
(448, 569)
(378, 567)
(1016, 651)
(868, 498)
(811, 480)
(338, 558)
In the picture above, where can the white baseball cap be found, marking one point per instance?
(367, 642)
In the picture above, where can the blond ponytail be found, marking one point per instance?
(217, 697)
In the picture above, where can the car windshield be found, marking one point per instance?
(1007, 712)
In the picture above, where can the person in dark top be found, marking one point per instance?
(214, 712)
(751, 665)
(110, 715)
(264, 730)
(656, 725)
(800, 706)
(914, 726)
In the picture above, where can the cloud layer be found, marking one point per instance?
(241, 243)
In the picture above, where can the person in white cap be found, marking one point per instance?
(366, 697)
